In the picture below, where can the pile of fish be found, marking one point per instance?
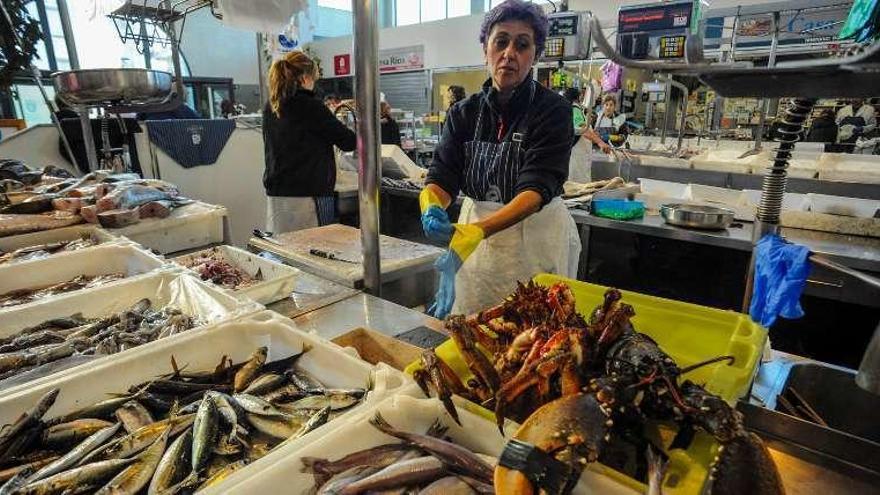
(45, 250)
(425, 464)
(211, 266)
(46, 347)
(15, 175)
(179, 433)
(22, 296)
(113, 200)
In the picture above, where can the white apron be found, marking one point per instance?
(545, 242)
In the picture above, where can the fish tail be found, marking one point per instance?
(380, 424)
(313, 465)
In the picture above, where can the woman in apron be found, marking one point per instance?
(507, 149)
(607, 127)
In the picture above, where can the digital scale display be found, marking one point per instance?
(672, 47)
(654, 18)
(563, 26)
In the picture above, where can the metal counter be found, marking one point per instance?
(364, 311)
(310, 293)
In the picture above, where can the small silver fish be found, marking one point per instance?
(71, 458)
(246, 374)
(173, 466)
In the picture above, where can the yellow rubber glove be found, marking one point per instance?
(465, 240)
(427, 198)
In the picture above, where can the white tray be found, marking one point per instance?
(97, 234)
(278, 279)
(403, 411)
(101, 260)
(192, 226)
(843, 206)
(170, 287)
(202, 350)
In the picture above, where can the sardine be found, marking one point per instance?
(31, 467)
(336, 399)
(134, 443)
(103, 409)
(318, 419)
(15, 360)
(135, 477)
(246, 374)
(230, 413)
(282, 427)
(76, 454)
(286, 393)
(134, 416)
(221, 475)
(413, 471)
(204, 436)
(255, 405)
(451, 485)
(16, 481)
(77, 480)
(458, 457)
(173, 466)
(26, 420)
(304, 381)
(264, 383)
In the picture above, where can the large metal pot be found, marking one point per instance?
(121, 87)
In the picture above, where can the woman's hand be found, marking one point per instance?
(435, 221)
(605, 147)
(519, 208)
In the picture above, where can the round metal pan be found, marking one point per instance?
(113, 86)
(697, 216)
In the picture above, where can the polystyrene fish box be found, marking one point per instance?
(843, 206)
(276, 280)
(192, 226)
(203, 350)
(65, 234)
(409, 411)
(176, 288)
(127, 259)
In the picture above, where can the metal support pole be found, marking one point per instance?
(366, 70)
(771, 61)
(263, 72)
(66, 28)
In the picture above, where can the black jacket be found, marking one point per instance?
(823, 130)
(390, 132)
(547, 144)
(299, 147)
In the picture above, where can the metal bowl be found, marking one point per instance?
(113, 86)
(697, 216)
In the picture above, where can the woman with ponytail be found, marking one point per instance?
(299, 133)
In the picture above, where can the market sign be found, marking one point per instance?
(342, 65)
(402, 59)
(796, 27)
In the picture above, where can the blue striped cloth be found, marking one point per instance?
(326, 208)
(191, 142)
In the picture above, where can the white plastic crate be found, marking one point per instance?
(174, 288)
(407, 411)
(202, 350)
(192, 226)
(101, 260)
(278, 279)
(843, 206)
(97, 234)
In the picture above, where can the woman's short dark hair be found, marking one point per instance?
(517, 10)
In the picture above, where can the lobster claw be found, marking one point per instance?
(744, 465)
(572, 429)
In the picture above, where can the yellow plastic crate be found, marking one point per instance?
(689, 333)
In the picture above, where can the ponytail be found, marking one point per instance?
(286, 76)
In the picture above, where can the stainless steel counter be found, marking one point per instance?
(861, 253)
(310, 293)
(365, 311)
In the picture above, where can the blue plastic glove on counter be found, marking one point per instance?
(466, 239)
(781, 270)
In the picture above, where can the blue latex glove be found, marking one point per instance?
(466, 239)
(781, 271)
(436, 224)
